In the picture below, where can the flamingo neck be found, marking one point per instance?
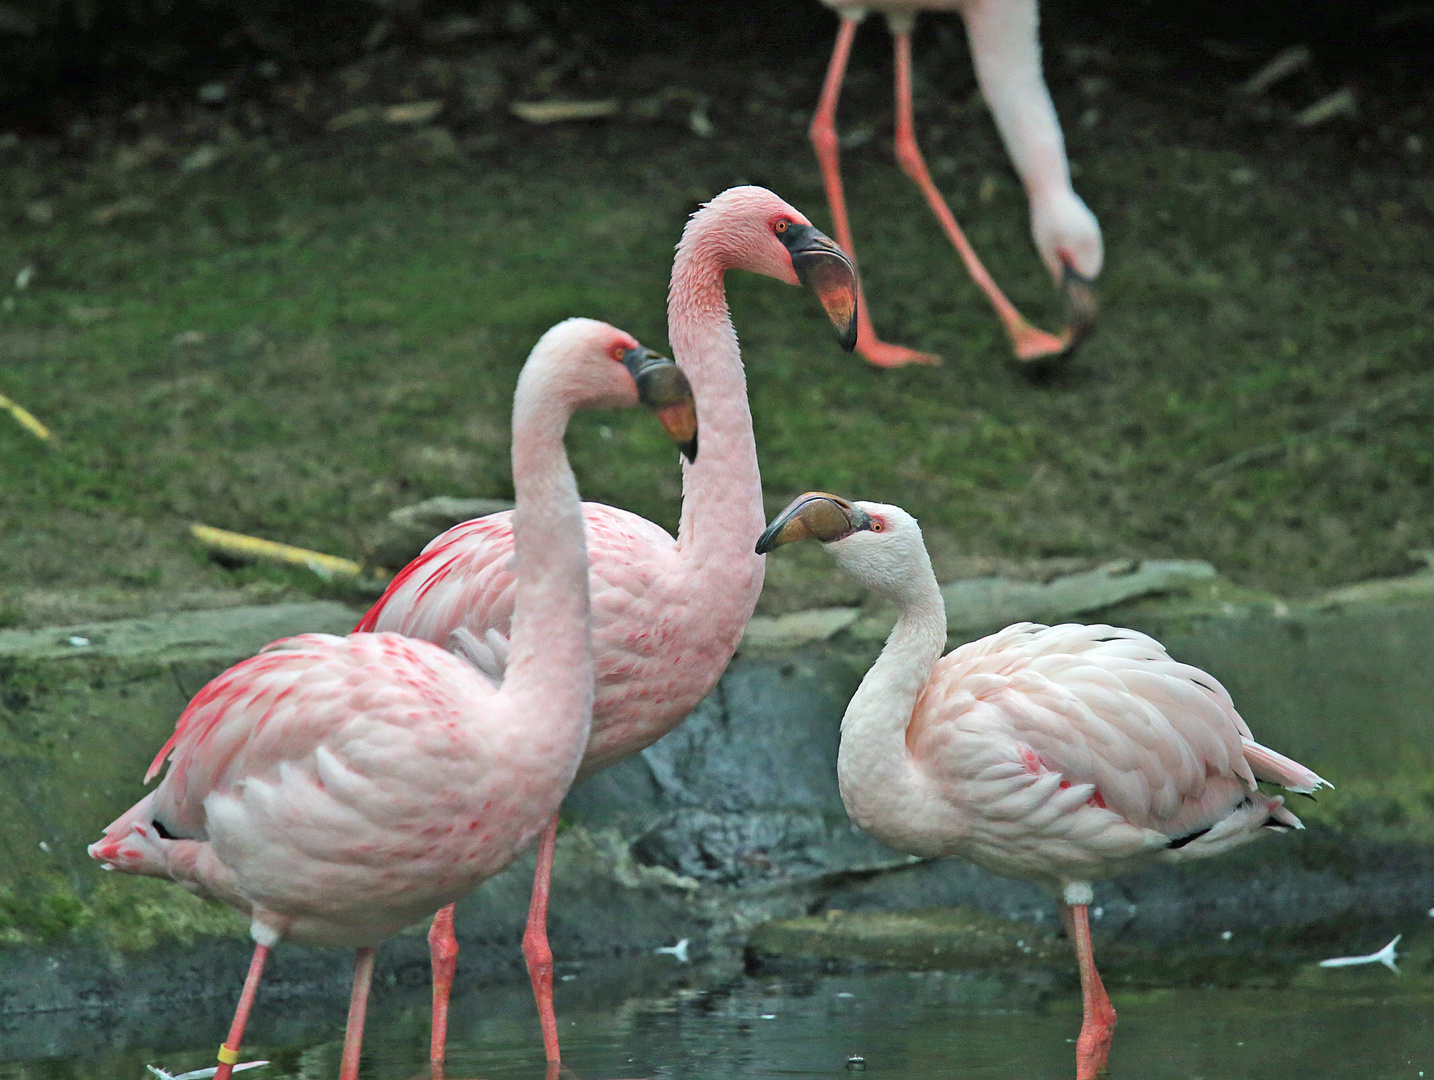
(1006, 52)
(550, 658)
(722, 490)
(878, 778)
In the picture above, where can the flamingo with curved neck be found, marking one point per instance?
(1006, 50)
(1056, 754)
(337, 789)
(667, 614)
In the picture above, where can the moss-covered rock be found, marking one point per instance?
(83, 709)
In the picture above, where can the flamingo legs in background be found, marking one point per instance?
(1008, 64)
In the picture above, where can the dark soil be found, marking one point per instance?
(281, 310)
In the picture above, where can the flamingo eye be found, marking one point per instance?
(781, 226)
(877, 526)
(618, 352)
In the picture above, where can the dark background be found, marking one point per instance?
(60, 56)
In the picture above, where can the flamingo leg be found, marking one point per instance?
(824, 140)
(536, 950)
(229, 1051)
(358, 1007)
(1098, 1022)
(443, 952)
(1029, 342)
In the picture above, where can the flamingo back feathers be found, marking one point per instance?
(645, 682)
(1094, 735)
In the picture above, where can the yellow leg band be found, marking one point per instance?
(228, 1056)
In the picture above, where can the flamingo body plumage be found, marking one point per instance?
(668, 613)
(1073, 753)
(651, 660)
(337, 789)
(1056, 754)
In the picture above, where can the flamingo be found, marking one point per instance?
(667, 614)
(1007, 55)
(1056, 754)
(337, 789)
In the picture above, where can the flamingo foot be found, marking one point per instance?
(883, 354)
(1031, 343)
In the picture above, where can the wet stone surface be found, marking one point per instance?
(732, 821)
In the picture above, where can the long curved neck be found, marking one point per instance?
(550, 656)
(1006, 52)
(722, 512)
(874, 766)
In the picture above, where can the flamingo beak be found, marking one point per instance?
(813, 516)
(664, 389)
(822, 266)
(1081, 308)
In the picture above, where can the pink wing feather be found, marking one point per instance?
(285, 703)
(1100, 715)
(463, 578)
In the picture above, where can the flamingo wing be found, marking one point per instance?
(463, 581)
(1050, 720)
(335, 708)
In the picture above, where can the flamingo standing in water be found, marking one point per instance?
(338, 789)
(1055, 754)
(1007, 54)
(667, 614)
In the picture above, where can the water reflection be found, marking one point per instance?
(617, 1024)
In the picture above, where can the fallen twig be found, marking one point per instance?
(1346, 422)
(26, 419)
(237, 545)
(1281, 65)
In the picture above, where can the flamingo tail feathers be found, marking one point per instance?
(1275, 768)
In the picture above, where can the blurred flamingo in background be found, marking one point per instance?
(1007, 55)
(1055, 754)
(336, 790)
(667, 614)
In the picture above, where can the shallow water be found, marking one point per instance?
(1363, 1024)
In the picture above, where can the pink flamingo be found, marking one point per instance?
(1056, 754)
(667, 615)
(336, 790)
(1007, 55)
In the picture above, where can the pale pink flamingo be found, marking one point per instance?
(667, 614)
(1055, 754)
(338, 789)
(1007, 55)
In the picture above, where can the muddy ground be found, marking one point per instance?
(270, 301)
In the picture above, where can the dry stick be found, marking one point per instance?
(25, 419)
(239, 546)
(1347, 422)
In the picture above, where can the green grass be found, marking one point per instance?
(356, 317)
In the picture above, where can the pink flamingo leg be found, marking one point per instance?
(443, 952)
(1029, 342)
(1098, 1025)
(358, 1006)
(824, 140)
(229, 1052)
(535, 943)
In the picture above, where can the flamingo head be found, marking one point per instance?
(749, 228)
(1068, 237)
(879, 545)
(596, 366)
